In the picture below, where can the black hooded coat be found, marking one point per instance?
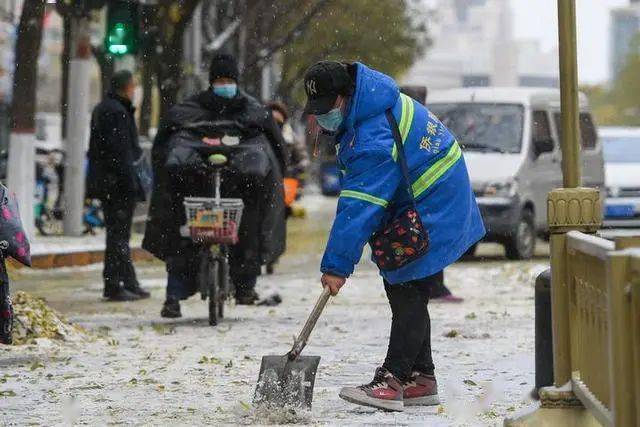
(178, 156)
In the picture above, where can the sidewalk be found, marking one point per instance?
(136, 368)
(63, 251)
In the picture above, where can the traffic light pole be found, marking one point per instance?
(571, 167)
(77, 125)
(572, 208)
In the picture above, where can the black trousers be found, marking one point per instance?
(438, 289)
(182, 269)
(118, 267)
(410, 339)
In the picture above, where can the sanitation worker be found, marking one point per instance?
(406, 191)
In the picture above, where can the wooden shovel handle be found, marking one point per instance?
(302, 339)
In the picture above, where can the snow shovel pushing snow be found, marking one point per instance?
(288, 380)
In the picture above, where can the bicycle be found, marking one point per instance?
(49, 219)
(213, 224)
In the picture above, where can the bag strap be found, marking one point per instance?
(397, 139)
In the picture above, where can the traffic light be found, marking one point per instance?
(121, 37)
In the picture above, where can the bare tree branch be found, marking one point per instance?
(28, 42)
(295, 31)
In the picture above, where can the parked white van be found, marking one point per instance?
(510, 138)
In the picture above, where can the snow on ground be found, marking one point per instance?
(135, 368)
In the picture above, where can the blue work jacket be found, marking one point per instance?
(374, 192)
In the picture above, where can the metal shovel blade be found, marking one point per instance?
(285, 382)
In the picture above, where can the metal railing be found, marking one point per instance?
(601, 300)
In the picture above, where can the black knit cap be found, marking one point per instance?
(323, 82)
(223, 66)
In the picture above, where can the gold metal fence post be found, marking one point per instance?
(621, 340)
(560, 310)
(635, 327)
(569, 208)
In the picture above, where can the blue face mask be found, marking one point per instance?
(227, 90)
(330, 121)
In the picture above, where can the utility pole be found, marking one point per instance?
(77, 124)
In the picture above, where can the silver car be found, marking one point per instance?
(621, 146)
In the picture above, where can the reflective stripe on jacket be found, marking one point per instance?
(373, 189)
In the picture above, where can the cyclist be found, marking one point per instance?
(262, 230)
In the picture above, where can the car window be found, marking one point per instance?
(621, 149)
(483, 127)
(587, 132)
(588, 136)
(540, 130)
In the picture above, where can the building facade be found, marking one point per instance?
(474, 45)
(625, 26)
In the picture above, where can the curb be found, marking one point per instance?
(75, 259)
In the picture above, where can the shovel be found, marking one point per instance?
(288, 380)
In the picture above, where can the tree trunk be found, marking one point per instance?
(21, 164)
(65, 57)
(147, 62)
(23, 107)
(169, 61)
(147, 95)
(169, 71)
(107, 67)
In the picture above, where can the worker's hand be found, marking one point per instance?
(334, 283)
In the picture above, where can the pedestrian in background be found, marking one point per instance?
(112, 178)
(406, 191)
(299, 161)
(298, 156)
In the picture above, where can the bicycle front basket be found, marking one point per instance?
(213, 221)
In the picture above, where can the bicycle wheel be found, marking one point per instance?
(214, 267)
(223, 284)
(51, 227)
(40, 226)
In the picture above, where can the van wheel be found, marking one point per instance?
(522, 243)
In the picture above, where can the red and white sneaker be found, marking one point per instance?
(421, 390)
(384, 392)
(451, 299)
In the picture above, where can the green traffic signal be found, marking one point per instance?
(116, 43)
(121, 36)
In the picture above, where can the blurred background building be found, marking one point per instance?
(625, 25)
(474, 45)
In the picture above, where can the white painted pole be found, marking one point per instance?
(21, 175)
(77, 128)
